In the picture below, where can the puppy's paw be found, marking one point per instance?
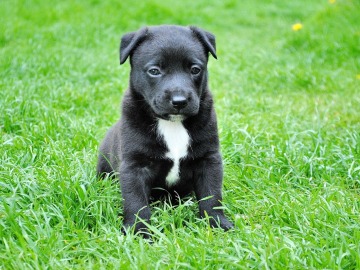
(221, 222)
(226, 225)
(139, 229)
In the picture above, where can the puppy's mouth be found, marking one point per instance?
(176, 117)
(173, 117)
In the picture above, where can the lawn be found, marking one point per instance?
(287, 91)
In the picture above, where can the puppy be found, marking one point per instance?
(167, 138)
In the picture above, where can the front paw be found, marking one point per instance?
(138, 228)
(221, 222)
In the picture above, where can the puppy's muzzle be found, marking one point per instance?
(175, 102)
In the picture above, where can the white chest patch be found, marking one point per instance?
(177, 141)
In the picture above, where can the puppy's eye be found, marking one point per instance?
(154, 72)
(195, 70)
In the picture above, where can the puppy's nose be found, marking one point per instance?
(179, 102)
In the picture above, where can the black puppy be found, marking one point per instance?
(166, 139)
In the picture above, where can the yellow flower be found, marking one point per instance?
(297, 26)
(332, 1)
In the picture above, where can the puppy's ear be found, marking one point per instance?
(129, 42)
(206, 38)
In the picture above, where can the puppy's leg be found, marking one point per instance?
(109, 152)
(208, 185)
(103, 166)
(135, 188)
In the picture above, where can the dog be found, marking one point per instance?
(166, 141)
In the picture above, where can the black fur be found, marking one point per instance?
(133, 147)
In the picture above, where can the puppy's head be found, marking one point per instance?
(169, 67)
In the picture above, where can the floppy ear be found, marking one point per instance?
(129, 42)
(206, 38)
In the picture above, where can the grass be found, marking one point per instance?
(288, 111)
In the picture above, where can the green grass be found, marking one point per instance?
(288, 105)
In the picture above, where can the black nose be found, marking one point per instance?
(179, 102)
